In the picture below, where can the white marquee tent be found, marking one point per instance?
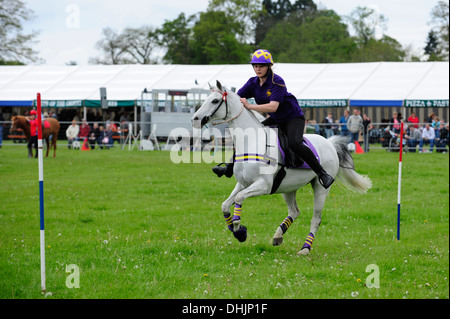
(420, 84)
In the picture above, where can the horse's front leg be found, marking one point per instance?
(259, 187)
(230, 201)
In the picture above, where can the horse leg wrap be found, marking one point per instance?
(237, 212)
(286, 223)
(228, 221)
(309, 241)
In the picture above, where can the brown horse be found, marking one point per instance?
(22, 122)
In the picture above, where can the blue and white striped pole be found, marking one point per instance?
(41, 190)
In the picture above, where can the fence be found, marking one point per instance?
(375, 136)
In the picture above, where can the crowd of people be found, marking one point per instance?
(96, 136)
(348, 125)
(434, 132)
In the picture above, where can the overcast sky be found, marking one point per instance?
(69, 29)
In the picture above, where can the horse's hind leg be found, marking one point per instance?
(48, 146)
(54, 138)
(320, 194)
(292, 215)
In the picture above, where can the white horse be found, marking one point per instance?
(252, 165)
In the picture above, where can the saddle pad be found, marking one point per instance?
(46, 124)
(305, 142)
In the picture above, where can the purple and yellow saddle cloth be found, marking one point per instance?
(304, 165)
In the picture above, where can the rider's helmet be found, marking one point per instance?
(261, 57)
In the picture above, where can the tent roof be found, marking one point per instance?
(367, 82)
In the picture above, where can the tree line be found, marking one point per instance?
(228, 31)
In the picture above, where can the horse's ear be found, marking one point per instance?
(210, 87)
(219, 86)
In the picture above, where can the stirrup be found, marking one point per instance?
(326, 180)
(227, 170)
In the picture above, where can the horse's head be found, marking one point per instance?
(15, 123)
(216, 107)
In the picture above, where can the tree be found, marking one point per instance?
(324, 39)
(113, 47)
(440, 22)
(366, 23)
(243, 13)
(372, 44)
(16, 46)
(431, 49)
(175, 37)
(274, 12)
(140, 44)
(214, 40)
(132, 46)
(385, 49)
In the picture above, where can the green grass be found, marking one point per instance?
(139, 226)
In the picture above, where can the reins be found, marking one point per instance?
(225, 99)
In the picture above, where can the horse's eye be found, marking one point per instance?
(215, 101)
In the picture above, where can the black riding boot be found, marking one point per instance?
(227, 170)
(308, 156)
(325, 179)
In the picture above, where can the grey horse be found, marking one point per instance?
(258, 159)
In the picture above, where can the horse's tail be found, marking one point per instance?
(347, 174)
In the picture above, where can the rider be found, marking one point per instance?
(272, 97)
(33, 133)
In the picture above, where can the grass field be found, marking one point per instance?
(139, 226)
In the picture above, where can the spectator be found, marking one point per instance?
(413, 137)
(107, 139)
(53, 114)
(367, 128)
(428, 137)
(343, 122)
(443, 139)
(95, 137)
(414, 120)
(395, 120)
(430, 118)
(84, 130)
(112, 124)
(329, 125)
(316, 127)
(72, 134)
(436, 125)
(354, 125)
(114, 129)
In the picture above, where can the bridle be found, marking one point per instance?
(224, 99)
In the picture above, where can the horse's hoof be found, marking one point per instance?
(241, 234)
(303, 252)
(277, 241)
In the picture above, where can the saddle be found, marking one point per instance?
(289, 159)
